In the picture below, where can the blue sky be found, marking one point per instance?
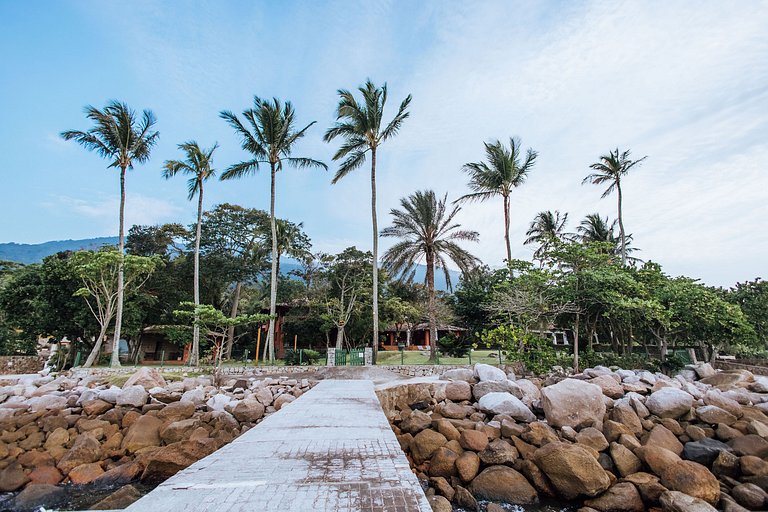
(685, 84)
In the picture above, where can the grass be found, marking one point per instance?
(417, 357)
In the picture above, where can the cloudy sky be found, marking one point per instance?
(684, 83)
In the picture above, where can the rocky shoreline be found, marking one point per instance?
(56, 433)
(610, 440)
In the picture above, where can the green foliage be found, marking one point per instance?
(752, 298)
(536, 353)
(179, 335)
(591, 358)
(13, 343)
(303, 356)
(454, 346)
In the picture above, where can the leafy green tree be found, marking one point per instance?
(505, 170)
(360, 125)
(471, 300)
(101, 287)
(198, 164)
(610, 169)
(403, 315)
(121, 138)
(164, 240)
(752, 298)
(348, 279)
(426, 229)
(269, 137)
(546, 228)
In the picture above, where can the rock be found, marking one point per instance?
(218, 402)
(467, 465)
(537, 478)
(486, 372)
(85, 473)
(669, 403)
(621, 497)
(45, 475)
(753, 466)
(443, 463)
(120, 499)
(446, 428)
(177, 411)
(48, 402)
(506, 403)
(148, 378)
(474, 440)
(426, 443)
(439, 504)
(727, 379)
(726, 433)
(750, 444)
(283, 400)
(12, 477)
(624, 413)
(465, 499)
(713, 415)
(121, 474)
(196, 396)
(648, 485)
(539, 434)
(416, 422)
(85, 450)
(500, 483)
(456, 411)
(499, 452)
(750, 496)
(704, 370)
(593, 438)
(718, 399)
(481, 389)
(133, 396)
(610, 386)
(458, 391)
(464, 374)
(625, 461)
(442, 486)
(531, 392)
(704, 451)
(165, 462)
(144, 432)
(248, 410)
(726, 464)
(96, 406)
(36, 496)
(572, 469)
(681, 475)
(178, 430)
(573, 403)
(661, 436)
(674, 501)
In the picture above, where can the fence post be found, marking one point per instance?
(301, 356)
(331, 357)
(77, 359)
(162, 358)
(402, 357)
(501, 357)
(245, 357)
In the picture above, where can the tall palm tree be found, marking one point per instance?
(546, 228)
(291, 240)
(594, 228)
(360, 125)
(119, 136)
(506, 170)
(197, 164)
(269, 135)
(427, 230)
(610, 169)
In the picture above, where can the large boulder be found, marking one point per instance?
(486, 372)
(415, 422)
(464, 374)
(458, 391)
(499, 451)
(177, 411)
(467, 465)
(119, 499)
(474, 440)
(39, 496)
(165, 462)
(283, 400)
(681, 475)
(249, 410)
(426, 443)
(573, 403)
(713, 415)
(133, 396)
(12, 477)
(195, 395)
(662, 437)
(623, 496)
(143, 432)
(500, 483)
(481, 389)
(178, 430)
(572, 469)
(675, 501)
(146, 377)
(506, 403)
(85, 450)
(611, 387)
(443, 463)
(85, 473)
(669, 403)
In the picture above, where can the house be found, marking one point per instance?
(420, 336)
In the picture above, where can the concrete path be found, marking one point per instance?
(330, 450)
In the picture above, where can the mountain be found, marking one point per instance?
(34, 253)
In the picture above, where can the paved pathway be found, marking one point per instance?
(330, 450)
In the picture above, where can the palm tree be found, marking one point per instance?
(546, 228)
(427, 230)
(610, 169)
(120, 137)
(594, 228)
(197, 164)
(360, 125)
(506, 170)
(269, 136)
(291, 240)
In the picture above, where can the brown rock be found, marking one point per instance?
(35, 459)
(179, 430)
(695, 432)
(467, 465)
(613, 430)
(121, 474)
(456, 411)
(39, 496)
(625, 414)
(473, 440)
(648, 485)
(46, 475)
(622, 497)
(726, 464)
(661, 437)
(446, 428)
(120, 499)
(465, 499)
(500, 483)
(442, 486)
(625, 461)
(610, 386)
(525, 450)
(443, 463)
(283, 400)
(750, 495)
(426, 443)
(572, 470)
(85, 473)
(12, 478)
(177, 411)
(416, 422)
(165, 462)
(674, 501)
(537, 478)
(593, 438)
(750, 444)
(539, 434)
(96, 407)
(713, 415)
(753, 466)
(439, 504)
(458, 391)
(681, 475)
(85, 450)
(499, 451)
(147, 377)
(143, 432)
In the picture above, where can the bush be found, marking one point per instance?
(302, 356)
(13, 344)
(590, 359)
(537, 354)
(454, 346)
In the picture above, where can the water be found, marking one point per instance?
(74, 497)
(544, 506)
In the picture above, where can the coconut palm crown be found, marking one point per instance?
(546, 228)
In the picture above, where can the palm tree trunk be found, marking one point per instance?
(194, 357)
(273, 277)
(431, 306)
(576, 345)
(621, 228)
(506, 228)
(375, 344)
(120, 277)
(233, 314)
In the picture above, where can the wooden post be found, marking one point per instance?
(295, 340)
(258, 343)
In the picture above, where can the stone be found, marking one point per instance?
(458, 391)
(45, 475)
(704, 370)
(593, 438)
(218, 402)
(624, 460)
(426, 443)
(500, 483)
(750, 496)
(416, 422)
(674, 501)
(439, 504)
(499, 451)
(481, 389)
(661, 436)
(178, 430)
(728, 379)
(85, 473)
(39, 496)
(96, 406)
(531, 392)
(718, 399)
(573, 403)
(464, 499)
(456, 411)
(133, 396)
(621, 497)
(681, 475)
(624, 413)
(196, 396)
(750, 444)
(669, 403)
(753, 466)
(537, 478)
(464, 374)
(142, 433)
(12, 477)
(120, 499)
(248, 410)
(613, 430)
(539, 434)
(648, 485)
(121, 474)
(148, 378)
(467, 465)
(486, 372)
(506, 403)
(609, 386)
(726, 464)
(474, 440)
(704, 451)
(47, 402)
(713, 415)
(86, 449)
(283, 400)
(446, 428)
(443, 463)
(165, 462)
(726, 433)
(572, 469)
(177, 411)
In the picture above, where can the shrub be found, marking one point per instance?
(590, 359)
(13, 344)
(537, 354)
(453, 345)
(302, 356)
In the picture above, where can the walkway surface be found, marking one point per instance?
(330, 450)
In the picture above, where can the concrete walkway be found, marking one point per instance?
(330, 450)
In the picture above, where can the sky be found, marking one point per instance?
(684, 83)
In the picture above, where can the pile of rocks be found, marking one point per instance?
(68, 430)
(612, 440)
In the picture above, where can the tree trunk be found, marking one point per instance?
(431, 306)
(97, 346)
(233, 314)
(339, 337)
(506, 229)
(273, 277)
(408, 337)
(576, 345)
(120, 277)
(621, 228)
(375, 343)
(194, 356)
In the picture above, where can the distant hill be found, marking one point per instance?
(34, 253)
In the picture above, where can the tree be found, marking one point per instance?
(269, 137)
(752, 298)
(403, 315)
(123, 139)
(99, 272)
(596, 229)
(546, 228)
(506, 170)
(610, 169)
(360, 125)
(347, 278)
(426, 229)
(292, 241)
(197, 164)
